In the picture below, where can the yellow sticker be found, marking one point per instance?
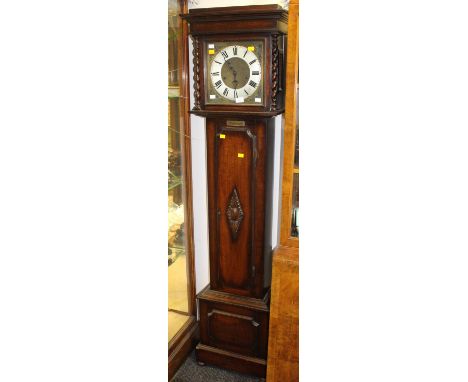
(251, 48)
(240, 155)
(222, 136)
(210, 51)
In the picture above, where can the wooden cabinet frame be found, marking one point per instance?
(289, 144)
(283, 361)
(185, 340)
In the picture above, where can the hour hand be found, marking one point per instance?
(234, 81)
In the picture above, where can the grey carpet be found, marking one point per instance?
(190, 371)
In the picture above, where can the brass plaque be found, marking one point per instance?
(236, 123)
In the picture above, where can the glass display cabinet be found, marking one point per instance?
(295, 175)
(181, 279)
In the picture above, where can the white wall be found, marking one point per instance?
(277, 175)
(199, 190)
(199, 177)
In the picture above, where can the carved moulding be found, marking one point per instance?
(196, 72)
(234, 213)
(275, 73)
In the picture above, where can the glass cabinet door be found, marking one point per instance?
(179, 252)
(295, 190)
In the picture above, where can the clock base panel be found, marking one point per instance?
(231, 361)
(233, 331)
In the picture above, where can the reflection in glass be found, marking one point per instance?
(295, 193)
(178, 309)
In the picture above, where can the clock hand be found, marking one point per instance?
(235, 82)
(234, 73)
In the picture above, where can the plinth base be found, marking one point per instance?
(230, 360)
(233, 331)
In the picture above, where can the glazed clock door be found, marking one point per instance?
(237, 187)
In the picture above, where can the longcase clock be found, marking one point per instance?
(238, 86)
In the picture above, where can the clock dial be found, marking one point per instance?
(235, 73)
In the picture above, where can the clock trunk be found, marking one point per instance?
(240, 173)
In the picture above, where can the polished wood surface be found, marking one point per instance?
(233, 331)
(238, 19)
(283, 347)
(184, 341)
(292, 65)
(234, 312)
(237, 263)
(229, 298)
(264, 22)
(230, 360)
(182, 345)
(251, 328)
(187, 155)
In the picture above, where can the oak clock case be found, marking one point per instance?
(239, 95)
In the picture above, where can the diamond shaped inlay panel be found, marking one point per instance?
(234, 213)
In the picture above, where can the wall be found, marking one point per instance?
(199, 178)
(199, 190)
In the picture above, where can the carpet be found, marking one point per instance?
(190, 371)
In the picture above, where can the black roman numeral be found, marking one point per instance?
(254, 73)
(234, 50)
(215, 74)
(218, 84)
(251, 62)
(253, 84)
(235, 93)
(226, 92)
(246, 50)
(246, 92)
(217, 62)
(225, 55)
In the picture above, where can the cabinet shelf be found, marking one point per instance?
(176, 252)
(171, 186)
(174, 180)
(174, 184)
